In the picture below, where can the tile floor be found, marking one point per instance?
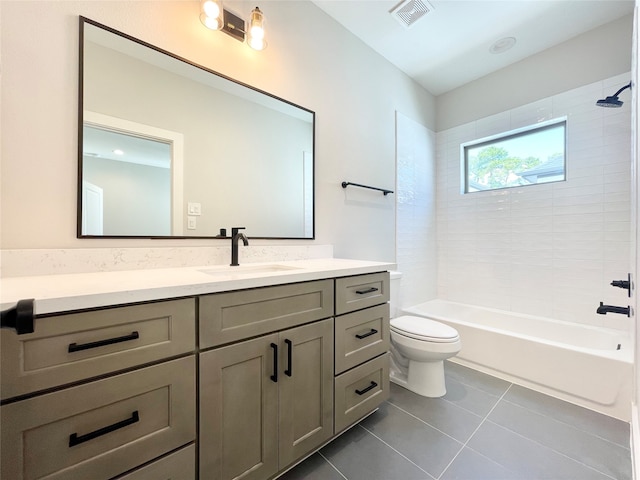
(484, 428)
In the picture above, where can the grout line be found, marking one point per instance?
(549, 416)
(552, 449)
(332, 465)
(497, 397)
(544, 414)
(426, 423)
(397, 451)
(474, 432)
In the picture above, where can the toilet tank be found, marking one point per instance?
(394, 292)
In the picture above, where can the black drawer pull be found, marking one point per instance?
(365, 390)
(74, 439)
(368, 290)
(74, 347)
(368, 334)
(274, 377)
(289, 369)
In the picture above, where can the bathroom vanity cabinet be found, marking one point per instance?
(238, 383)
(101, 392)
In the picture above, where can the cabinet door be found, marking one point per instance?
(306, 389)
(239, 411)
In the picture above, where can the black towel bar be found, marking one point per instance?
(19, 317)
(383, 190)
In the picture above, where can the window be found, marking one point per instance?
(526, 156)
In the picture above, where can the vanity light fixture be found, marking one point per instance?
(215, 17)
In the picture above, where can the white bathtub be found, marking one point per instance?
(585, 365)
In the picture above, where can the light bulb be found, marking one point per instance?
(256, 30)
(211, 8)
(211, 14)
(210, 22)
(257, 43)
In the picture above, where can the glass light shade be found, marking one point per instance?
(257, 43)
(256, 30)
(211, 14)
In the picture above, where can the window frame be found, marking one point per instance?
(511, 134)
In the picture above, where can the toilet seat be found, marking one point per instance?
(424, 329)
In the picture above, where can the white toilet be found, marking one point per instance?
(419, 347)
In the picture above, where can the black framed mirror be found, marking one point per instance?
(171, 149)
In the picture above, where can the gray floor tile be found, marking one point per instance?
(358, 455)
(437, 412)
(527, 436)
(470, 398)
(427, 447)
(606, 427)
(473, 378)
(470, 465)
(600, 454)
(526, 458)
(313, 468)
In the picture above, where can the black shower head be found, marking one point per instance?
(613, 101)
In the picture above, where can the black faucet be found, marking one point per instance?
(235, 236)
(604, 309)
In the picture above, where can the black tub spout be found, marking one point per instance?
(604, 309)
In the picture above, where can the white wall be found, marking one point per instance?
(136, 198)
(597, 54)
(549, 249)
(311, 61)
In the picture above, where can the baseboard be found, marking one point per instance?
(635, 441)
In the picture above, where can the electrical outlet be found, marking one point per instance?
(191, 223)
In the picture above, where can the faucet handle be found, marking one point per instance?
(235, 230)
(625, 284)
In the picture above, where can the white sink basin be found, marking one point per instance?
(247, 270)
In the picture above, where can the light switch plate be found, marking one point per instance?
(194, 208)
(191, 223)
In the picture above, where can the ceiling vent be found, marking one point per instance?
(408, 12)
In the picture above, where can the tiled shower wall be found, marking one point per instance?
(415, 211)
(551, 249)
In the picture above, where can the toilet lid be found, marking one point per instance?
(424, 329)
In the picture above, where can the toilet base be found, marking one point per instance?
(424, 378)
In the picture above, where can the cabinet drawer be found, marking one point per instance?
(361, 390)
(361, 291)
(360, 336)
(100, 429)
(180, 465)
(227, 317)
(72, 347)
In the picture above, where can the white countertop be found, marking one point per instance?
(61, 293)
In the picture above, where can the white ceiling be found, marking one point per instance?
(449, 46)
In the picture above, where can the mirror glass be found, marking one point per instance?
(171, 149)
